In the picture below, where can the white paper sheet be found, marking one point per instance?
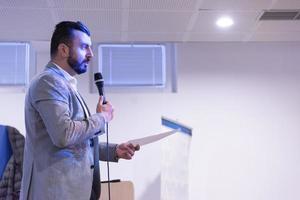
(152, 138)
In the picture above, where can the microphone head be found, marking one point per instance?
(98, 77)
(99, 83)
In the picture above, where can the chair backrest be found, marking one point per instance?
(5, 149)
(122, 190)
(10, 182)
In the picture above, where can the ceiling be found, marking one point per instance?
(148, 20)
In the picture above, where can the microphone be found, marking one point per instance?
(99, 83)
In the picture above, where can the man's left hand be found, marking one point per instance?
(126, 150)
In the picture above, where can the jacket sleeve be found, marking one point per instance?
(51, 97)
(108, 153)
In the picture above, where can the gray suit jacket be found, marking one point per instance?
(58, 155)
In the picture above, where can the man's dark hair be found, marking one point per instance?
(63, 33)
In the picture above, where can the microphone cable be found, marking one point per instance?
(98, 78)
(107, 162)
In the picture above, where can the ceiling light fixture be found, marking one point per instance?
(224, 22)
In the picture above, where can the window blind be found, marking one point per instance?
(14, 63)
(133, 65)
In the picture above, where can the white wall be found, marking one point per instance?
(242, 100)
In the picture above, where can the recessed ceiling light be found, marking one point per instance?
(224, 22)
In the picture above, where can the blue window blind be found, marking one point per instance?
(133, 65)
(14, 64)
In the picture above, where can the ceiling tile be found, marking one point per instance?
(26, 36)
(24, 4)
(158, 21)
(286, 4)
(279, 26)
(236, 4)
(90, 4)
(23, 21)
(98, 36)
(163, 4)
(243, 21)
(279, 36)
(148, 37)
(102, 20)
(195, 37)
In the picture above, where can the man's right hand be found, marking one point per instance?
(106, 109)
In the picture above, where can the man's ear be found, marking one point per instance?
(63, 50)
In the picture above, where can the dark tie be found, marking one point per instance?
(96, 187)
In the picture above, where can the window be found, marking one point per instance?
(133, 65)
(14, 64)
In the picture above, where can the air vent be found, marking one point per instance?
(280, 15)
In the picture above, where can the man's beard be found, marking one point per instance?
(78, 67)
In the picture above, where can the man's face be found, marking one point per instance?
(80, 52)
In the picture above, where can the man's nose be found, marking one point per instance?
(90, 53)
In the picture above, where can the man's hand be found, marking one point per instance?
(126, 150)
(106, 109)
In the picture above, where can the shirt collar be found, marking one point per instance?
(72, 80)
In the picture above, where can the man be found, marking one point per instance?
(61, 150)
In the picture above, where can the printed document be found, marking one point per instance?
(152, 138)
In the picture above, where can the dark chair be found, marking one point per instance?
(11, 162)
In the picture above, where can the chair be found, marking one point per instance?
(5, 149)
(12, 144)
(122, 190)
